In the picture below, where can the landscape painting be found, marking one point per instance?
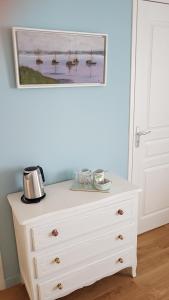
(45, 58)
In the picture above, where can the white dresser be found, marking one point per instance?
(71, 239)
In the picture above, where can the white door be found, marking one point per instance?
(150, 156)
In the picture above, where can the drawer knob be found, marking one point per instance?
(120, 212)
(57, 260)
(120, 260)
(59, 286)
(55, 232)
(120, 237)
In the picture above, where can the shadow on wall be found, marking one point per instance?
(7, 46)
(10, 180)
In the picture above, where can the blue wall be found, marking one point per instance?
(66, 128)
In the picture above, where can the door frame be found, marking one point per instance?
(132, 82)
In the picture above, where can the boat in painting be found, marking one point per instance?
(90, 61)
(54, 60)
(39, 61)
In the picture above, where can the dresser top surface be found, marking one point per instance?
(59, 198)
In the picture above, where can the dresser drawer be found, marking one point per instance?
(59, 231)
(61, 286)
(98, 244)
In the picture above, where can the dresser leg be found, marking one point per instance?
(133, 271)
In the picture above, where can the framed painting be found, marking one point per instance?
(51, 58)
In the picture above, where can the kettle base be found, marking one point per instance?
(31, 201)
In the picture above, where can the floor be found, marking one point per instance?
(151, 283)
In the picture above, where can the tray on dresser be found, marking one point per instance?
(86, 188)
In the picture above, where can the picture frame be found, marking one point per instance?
(52, 58)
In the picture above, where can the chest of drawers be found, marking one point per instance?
(72, 239)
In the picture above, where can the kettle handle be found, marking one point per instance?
(41, 170)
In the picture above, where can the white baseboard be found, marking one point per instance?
(2, 280)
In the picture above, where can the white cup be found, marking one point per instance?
(85, 176)
(98, 176)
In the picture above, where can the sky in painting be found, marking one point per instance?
(29, 40)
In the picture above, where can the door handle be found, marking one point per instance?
(139, 134)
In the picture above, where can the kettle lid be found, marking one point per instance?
(30, 169)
